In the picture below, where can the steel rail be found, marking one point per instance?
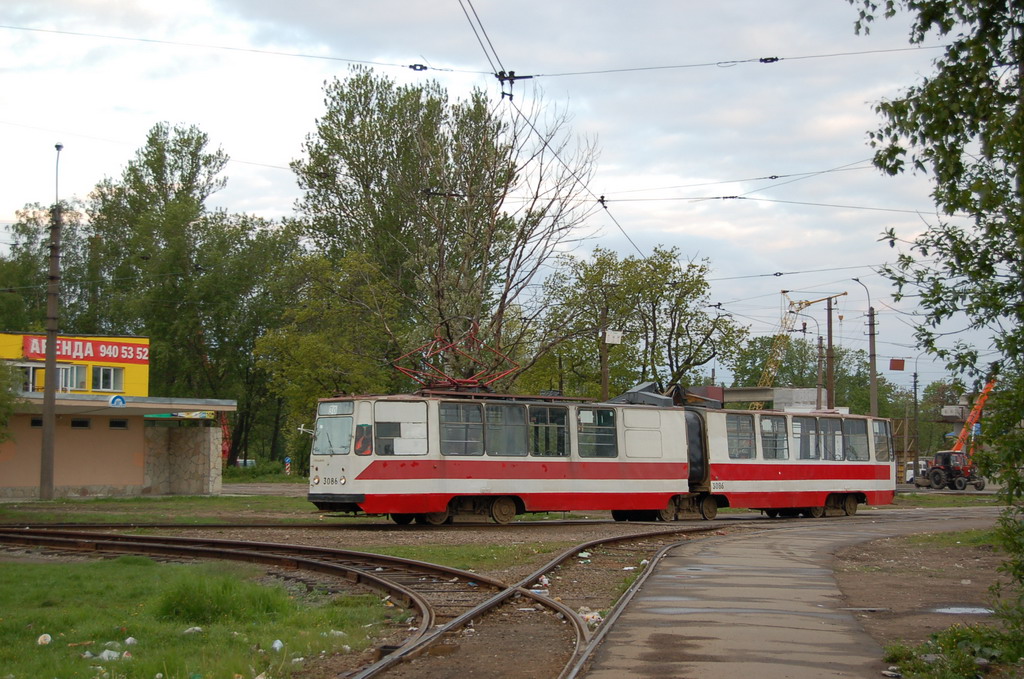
(412, 650)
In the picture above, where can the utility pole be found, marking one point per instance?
(52, 316)
(830, 360)
(821, 355)
(873, 377)
(603, 349)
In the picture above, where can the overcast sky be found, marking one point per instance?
(685, 113)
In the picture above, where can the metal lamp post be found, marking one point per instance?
(873, 378)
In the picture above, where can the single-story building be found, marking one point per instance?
(111, 437)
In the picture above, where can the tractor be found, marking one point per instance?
(953, 470)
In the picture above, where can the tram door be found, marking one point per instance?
(696, 453)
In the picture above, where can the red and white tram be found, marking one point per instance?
(431, 455)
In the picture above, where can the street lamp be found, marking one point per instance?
(873, 378)
(817, 405)
(52, 313)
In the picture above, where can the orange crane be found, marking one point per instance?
(954, 468)
(972, 419)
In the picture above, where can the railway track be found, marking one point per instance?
(443, 600)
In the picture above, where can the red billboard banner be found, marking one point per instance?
(92, 350)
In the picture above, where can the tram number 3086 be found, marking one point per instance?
(718, 485)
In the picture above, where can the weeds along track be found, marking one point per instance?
(443, 600)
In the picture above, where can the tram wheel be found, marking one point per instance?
(503, 509)
(771, 513)
(620, 515)
(814, 512)
(850, 505)
(667, 514)
(403, 519)
(708, 507)
(433, 518)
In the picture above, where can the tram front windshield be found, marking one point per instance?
(333, 436)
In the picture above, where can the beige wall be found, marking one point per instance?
(100, 461)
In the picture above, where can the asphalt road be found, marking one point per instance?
(761, 605)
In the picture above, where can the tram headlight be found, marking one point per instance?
(316, 480)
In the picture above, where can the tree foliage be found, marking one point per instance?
(146, 257)
(964, 125)
(659, 304)
(457, 206)
(799, 368)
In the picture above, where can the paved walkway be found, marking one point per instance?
(763, 605)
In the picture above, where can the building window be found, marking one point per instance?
(37, 423)
(30, 378)
(596, 429)
(79, 422)
(118, 424)
(740, 434)
(105, 378)
(547, 431)
(72, 377)
(774, 441)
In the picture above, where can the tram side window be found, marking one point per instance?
(856, 434)
(774, 441)
(399, 428)
(831, 432)
(740, 431)
(805, 438)
(506, 429)
(462, 429)
(596, 430)
(547, 431)
(883, 440)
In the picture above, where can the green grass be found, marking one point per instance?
(954, 653)
(929, 500)
(263, 472)
(965, 538)
(164, 509)
(94, 607)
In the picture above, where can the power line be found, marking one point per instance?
(733, 62)
(249, 50)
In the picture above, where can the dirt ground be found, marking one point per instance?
(896, 586)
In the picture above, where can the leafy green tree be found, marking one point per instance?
(148, 258)
(24, 269)
(659, 304)
(962, 125)
(798, 368)
(458, 207)
(343, 319)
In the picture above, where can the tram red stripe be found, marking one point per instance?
(809, 471)
(406, 469)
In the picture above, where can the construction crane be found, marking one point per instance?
(778, 348)
(972, 419)
(955, 468)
